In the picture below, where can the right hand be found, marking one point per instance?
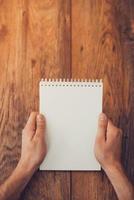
(108, 143)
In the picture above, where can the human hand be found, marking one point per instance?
(108, 152)
(33, 142)
(108, 143)
(32, 154)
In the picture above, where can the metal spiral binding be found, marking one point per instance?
(71, 82)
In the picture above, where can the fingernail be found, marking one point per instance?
(103, 117)
(40, 117)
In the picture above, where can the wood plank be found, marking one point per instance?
(34, 44)
(97, 53)
(48, 55)
(127, 35)
(11, 98)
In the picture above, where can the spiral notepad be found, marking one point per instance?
(71, 108)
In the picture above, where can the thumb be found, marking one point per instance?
(41, 124)
(102, 126)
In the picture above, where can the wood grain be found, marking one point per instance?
(64, 39)
(34, 44)
(12, 110)
(97, 52)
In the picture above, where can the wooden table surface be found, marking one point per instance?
(65, 39)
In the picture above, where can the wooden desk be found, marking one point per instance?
(64, 39)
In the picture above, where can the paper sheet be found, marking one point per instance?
(71, 111)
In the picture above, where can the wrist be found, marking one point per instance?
(115, 168)
(25, 169)
(120, 182)
(14, 185)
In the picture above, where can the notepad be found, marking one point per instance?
(71, 109)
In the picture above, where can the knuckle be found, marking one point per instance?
(115, 129)
(41, 128)
(119, 131)
(41, 124)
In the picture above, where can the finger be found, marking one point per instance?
(41, 125)
(30, 127)
(112, 130)
(111, 127)
(102, 126)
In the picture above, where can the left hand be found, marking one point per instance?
(33, 142)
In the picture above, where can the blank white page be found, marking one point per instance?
(71, 110)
